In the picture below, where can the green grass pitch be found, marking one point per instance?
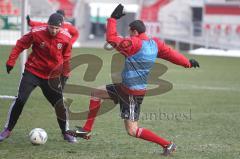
(200, 114)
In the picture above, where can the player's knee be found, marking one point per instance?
(59, 104)
(131, 131)
(59, 107)
(20, 101)
(95, 93)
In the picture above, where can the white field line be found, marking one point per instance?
(7, 97)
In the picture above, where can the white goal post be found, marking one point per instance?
(23, 57)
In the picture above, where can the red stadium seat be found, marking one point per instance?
(158, 29)
(66, 5)
(238, 30)
(228, 29)
(218, 27)
(7, 8)
(207, 26)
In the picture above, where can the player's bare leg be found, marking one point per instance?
(145, 134)
(97, 96)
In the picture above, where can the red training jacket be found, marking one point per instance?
(66, 25)
(50, 56)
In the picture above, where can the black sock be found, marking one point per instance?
(62, 125)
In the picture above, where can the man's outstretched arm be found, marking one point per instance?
(167, 53)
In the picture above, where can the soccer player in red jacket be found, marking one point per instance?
(66, 25)
(47, 64)
(140, 53)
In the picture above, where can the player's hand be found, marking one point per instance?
(9, 68)
(194, 63)
(63, 80)
(28, 19)
(118, 12)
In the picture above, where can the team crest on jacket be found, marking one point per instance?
(59, 46)
(42, 45)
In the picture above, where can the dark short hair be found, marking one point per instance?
(138, 25)
(55, 19)
(60, 11)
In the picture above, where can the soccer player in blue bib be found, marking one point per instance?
(140, 53)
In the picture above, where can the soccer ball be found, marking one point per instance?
(38, 136)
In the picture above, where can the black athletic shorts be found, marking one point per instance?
(129, 104)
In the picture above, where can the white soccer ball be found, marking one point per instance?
(38, 136)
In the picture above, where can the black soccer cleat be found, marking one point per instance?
(80, 132)
(4, 134)
(70, 138)
(169, 149)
